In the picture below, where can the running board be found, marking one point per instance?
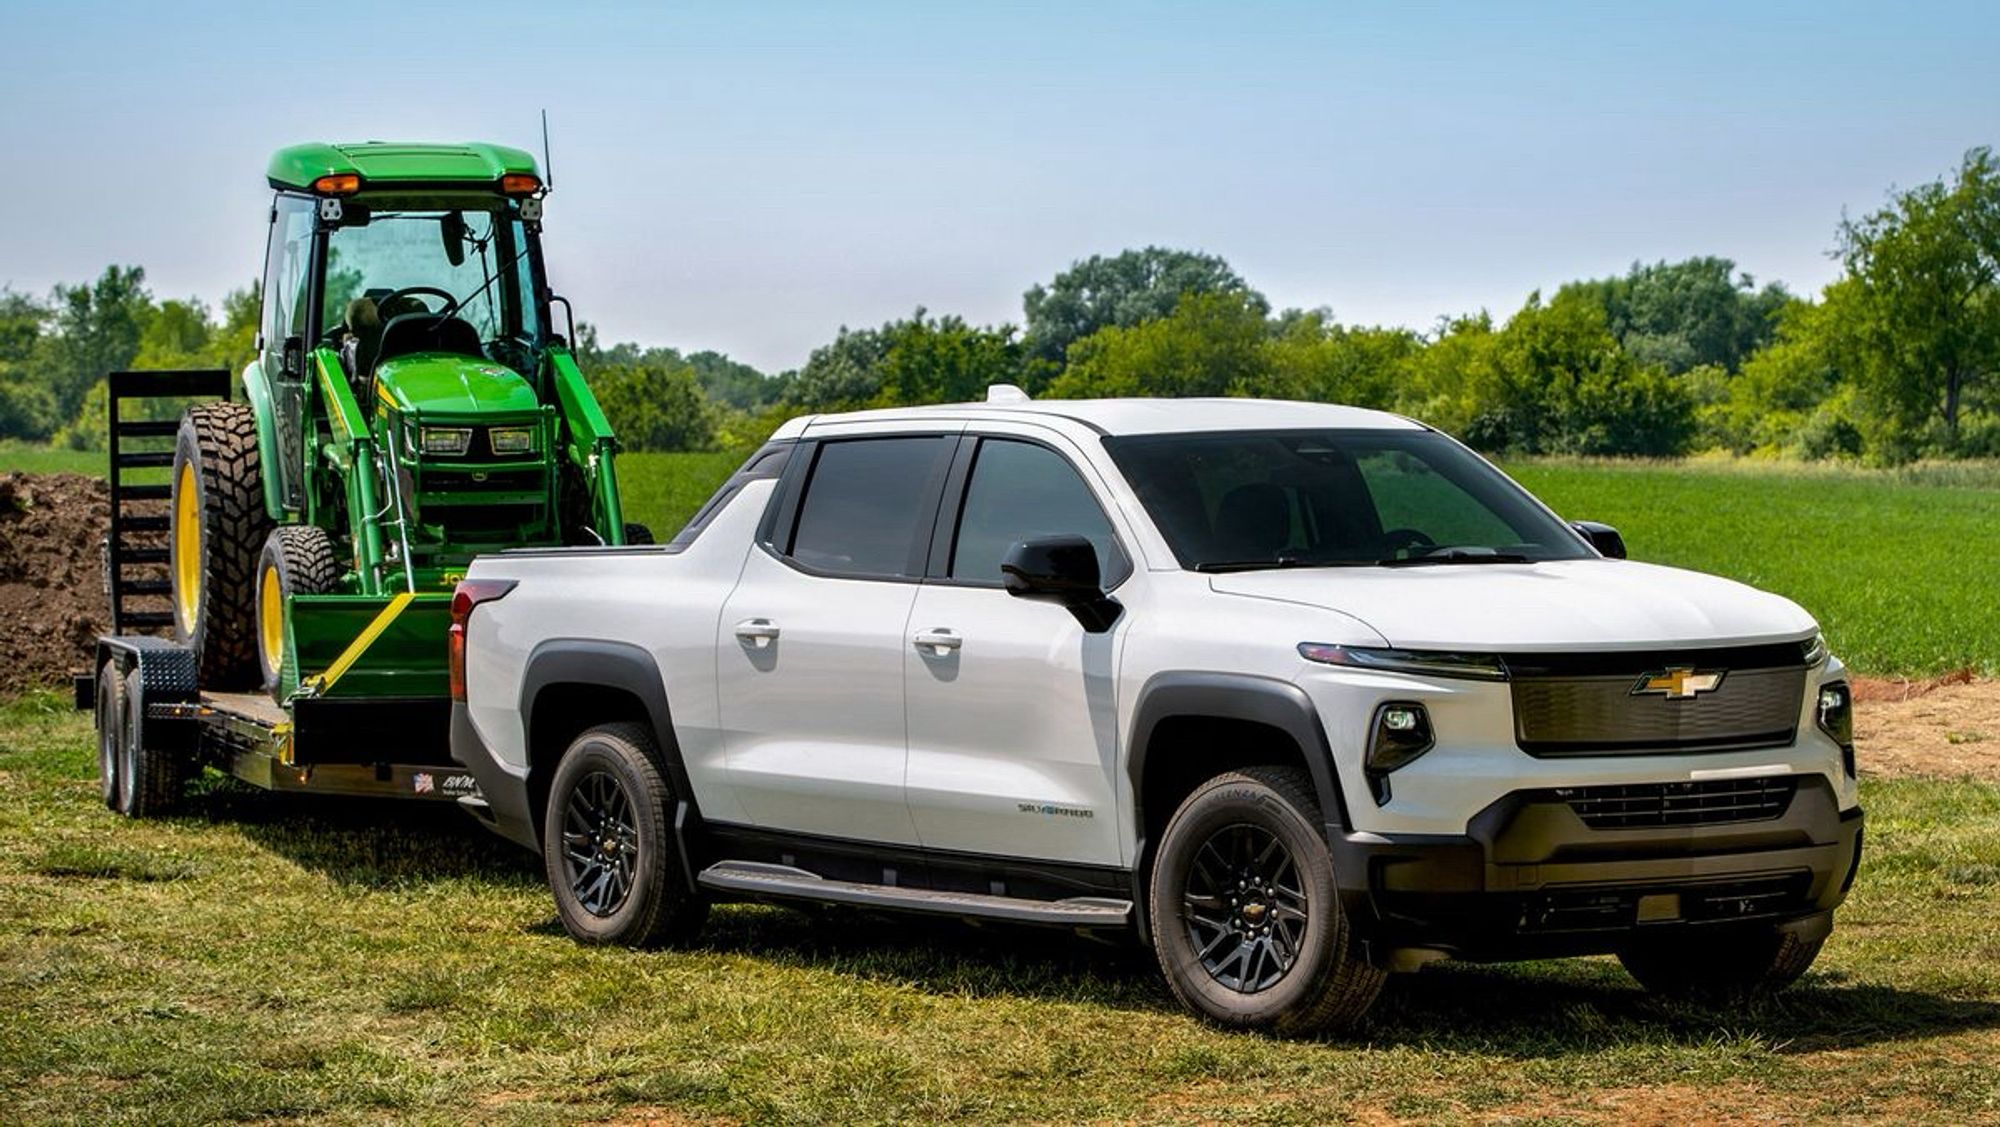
(757, 878)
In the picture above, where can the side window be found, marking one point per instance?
(1018, 491)
(863, 509)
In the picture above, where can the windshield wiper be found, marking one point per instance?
(1438, 556)
(1272, 564)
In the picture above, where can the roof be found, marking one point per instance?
(1148, 416)
(470, 162)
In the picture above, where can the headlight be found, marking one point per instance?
(1401, 731)
(1835, 711)
(1429, 663)
(512, 440)
(452, 441)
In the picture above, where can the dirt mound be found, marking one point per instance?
(1945, 727)
(52, 602)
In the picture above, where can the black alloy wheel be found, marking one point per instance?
(600, 843)
(1245, 908)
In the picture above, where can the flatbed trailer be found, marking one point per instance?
(157, 730)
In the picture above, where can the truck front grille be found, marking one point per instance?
(1625, 806)
(1592, 704)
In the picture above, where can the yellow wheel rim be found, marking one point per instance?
(271, 619)
(187, 548)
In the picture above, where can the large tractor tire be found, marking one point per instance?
(219, 526)
(298, 559)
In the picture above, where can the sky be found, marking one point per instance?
(749, 177)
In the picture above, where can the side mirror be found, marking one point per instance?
(293, 360)
(1602, 537)
(1061, 570)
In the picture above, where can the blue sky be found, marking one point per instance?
(749, 177)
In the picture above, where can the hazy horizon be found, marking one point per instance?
(748, 179)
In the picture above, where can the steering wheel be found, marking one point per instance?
(446, 296)
(1397, 539)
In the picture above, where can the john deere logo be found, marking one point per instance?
(1679, 683)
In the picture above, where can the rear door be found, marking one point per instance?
(1012, 704)
(810, 646)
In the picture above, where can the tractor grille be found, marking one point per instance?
(1586, 704)
(1627, 806)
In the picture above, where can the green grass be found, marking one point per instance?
(1901, 575)
(34, 457)
(663, 490)
(259, 958)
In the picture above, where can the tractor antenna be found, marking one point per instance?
(548, 165)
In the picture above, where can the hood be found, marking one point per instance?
(1593, 604)
(446, 383)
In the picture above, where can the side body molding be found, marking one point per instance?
(622, 667)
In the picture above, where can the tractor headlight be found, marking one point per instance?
(512, 440)
(453, 441)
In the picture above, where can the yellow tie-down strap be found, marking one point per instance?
(319, 684)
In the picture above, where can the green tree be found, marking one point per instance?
(27, 406)
(1211, 344)
(1122, 291)
(1683, 315)
(1921, 332)
(96, 330)
(1310, 356)
(656, 406)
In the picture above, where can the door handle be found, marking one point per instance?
(936, 642)
(757, 632)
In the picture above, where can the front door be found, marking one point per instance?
(1012, 706)
(809, 648)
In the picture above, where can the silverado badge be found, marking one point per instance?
(1678, 683)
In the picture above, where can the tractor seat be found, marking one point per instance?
(426, 332)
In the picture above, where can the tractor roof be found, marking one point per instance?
(389, 162)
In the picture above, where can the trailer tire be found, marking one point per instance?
(298, 559)
(149, 777)
(608, 846)
(636, 533)
(218, 527)
(110, 726)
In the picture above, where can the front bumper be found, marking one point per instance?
(1529, 879)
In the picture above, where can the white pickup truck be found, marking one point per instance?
(1297, 694)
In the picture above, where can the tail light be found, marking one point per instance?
(469, 593)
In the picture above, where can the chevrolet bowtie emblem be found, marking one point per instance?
(1679, 683)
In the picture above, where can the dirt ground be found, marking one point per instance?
(52, 605)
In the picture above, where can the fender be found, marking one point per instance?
(257, 391)
(1227, 696)
(630, 669)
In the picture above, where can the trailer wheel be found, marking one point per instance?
(608, 846)
(298, 559)
(110, 726)
(149, 777)
(636, 533)
(219, 524)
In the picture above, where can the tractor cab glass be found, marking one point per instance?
(425, 278)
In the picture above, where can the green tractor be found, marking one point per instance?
(411, 406)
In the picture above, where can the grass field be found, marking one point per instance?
(1898, 565)
(258, 958)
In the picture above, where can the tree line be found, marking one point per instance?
(1897, 359)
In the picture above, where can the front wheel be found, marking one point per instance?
(1246, 915)
(1725, 966)
(608, 845)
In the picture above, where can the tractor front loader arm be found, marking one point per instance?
(591, 447)
(352, 452)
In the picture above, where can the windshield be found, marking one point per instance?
(1229, 500)
(424, 261)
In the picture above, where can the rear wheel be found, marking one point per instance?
(608, 846)
(1728, 966)
(150, 778)
(297, 560)
(110, 725)
(1246, 915)
(219, 525)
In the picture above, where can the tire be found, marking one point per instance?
(297, 559)
(1728, 966)
(637, 899)
(218, 528)
(149, 778)
(636, 533)
(110, 726)
(1327, 983)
